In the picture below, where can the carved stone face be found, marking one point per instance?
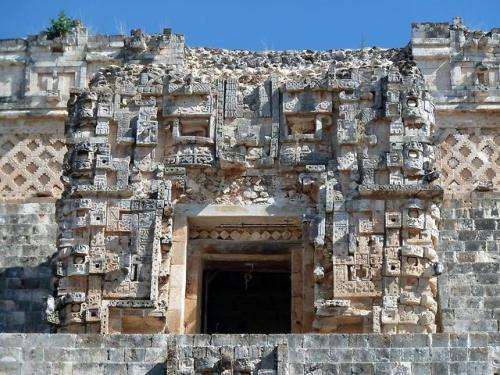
(104, 110)
(413, 155)
(411, 266)
(414, 218)
(416, 113)
(76, 265)
(82, 159)
(86, 109)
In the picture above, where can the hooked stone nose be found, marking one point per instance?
(438, 268)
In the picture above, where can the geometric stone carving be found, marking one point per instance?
(246, 234)
(30, 165)
(351, 148)
(468, 157)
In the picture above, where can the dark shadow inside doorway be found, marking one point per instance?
(238, 301)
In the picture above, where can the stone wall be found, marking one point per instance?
(433, 354)
(460, 64)
(28, 237)
(469, 288)
(460, 67)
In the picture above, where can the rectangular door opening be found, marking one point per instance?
(244, 299)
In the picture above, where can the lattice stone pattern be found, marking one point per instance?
(30, 166)
(468, 157)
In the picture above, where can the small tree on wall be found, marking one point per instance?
(60, 26)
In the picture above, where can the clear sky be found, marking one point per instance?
(255, 24)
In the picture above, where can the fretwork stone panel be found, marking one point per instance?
(30, 166)
(469, 158)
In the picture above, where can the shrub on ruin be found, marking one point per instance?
(60, 26)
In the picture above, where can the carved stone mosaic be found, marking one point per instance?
(350, 144)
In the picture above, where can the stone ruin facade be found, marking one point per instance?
(133, 166)
(335, 166)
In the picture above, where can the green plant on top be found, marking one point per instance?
(60, 26)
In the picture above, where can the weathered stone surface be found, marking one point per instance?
(215, 143)
(468, 287)
(28, 234)
(380, 164)
(401, 355)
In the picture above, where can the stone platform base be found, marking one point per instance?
(437, 354)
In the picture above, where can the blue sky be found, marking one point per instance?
(255, 24)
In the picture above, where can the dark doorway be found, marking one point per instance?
(236, 301)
